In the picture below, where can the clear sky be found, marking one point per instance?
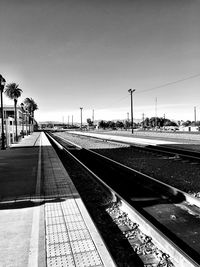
(68, 54)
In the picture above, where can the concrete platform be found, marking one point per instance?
(43, 221)
(28, 141)
(126, 139)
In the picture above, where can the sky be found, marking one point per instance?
(67, 54)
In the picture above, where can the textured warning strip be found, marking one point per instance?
(71, 237)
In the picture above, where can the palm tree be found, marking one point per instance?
(14, 92)
(30, 106)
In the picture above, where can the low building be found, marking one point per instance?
(25, 123)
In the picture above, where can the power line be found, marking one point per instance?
(168, 84)
(119, 100)
(114, 102)
(153, 88)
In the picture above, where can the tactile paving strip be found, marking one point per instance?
(53, 213)
(61, 261)
(82, 245)
(55, 238)
(51, 208)
(54, 220)
(59, 249)
(56, 228)
(90, 258)
(78, 235)
(73, 218)
(68, 241)
(70, 207)
(73, 226)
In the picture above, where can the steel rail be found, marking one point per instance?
(180, 257)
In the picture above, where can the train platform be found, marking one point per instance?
(43, 221)
(126, 139)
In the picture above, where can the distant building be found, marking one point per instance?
(25, 123)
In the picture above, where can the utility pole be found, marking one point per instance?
(72, 120)
(156, 112)
(195, 115)
(131, 93)
(143, 120)
(128, 116)
(93, 116)
(81, 117)
(68, 121)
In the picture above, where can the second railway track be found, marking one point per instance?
(163, 210)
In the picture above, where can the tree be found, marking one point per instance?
(102, 124)
(30, 106)
(167, 122)
(127, 124)
(173, 123)
(147, 122)
(14, 92)
(195, 123)
(111, 124)
(119, 124)
(153, 121)
(187, 123)
(161, 121)
(90, 122)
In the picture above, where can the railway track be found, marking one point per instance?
(165, 213)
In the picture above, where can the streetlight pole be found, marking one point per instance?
(2, 84)
(81, 117)
(26, 121)
(29, 123)
(131, 93)
(22, 108)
